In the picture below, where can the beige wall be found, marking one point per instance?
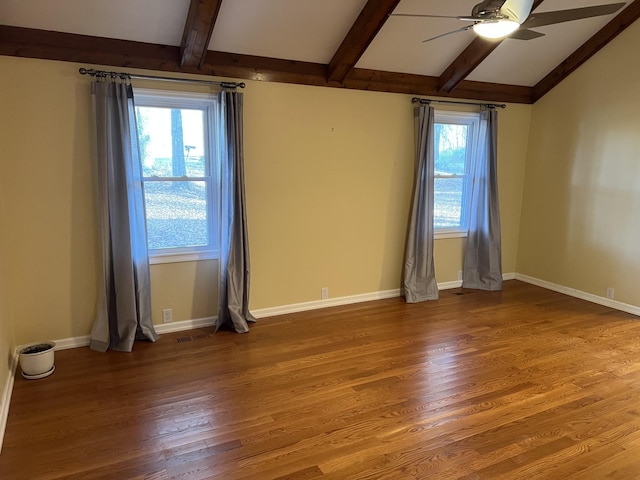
(190, 289)
(513, 141)
(328, 176)
(329, 180)
(7, 340)
(51, 260)
(580, 223)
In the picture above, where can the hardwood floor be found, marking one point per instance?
(520, 384)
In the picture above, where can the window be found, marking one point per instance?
(455, 146)
(179, 174)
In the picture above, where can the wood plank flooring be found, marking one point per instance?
(520, 384)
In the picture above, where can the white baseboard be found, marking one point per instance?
(73, 342)
(185, 325)
(329, 302)
(624, 307)
(83, 341)
(334, 302)
(5, 399)
(449, 285)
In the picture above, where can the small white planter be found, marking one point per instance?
(36, 360)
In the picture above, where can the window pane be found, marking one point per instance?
(450, 148)
(447, 202)
(176, 214)
(172, 141)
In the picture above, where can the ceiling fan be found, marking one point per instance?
(495, 19)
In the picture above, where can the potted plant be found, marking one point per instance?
(36, 360)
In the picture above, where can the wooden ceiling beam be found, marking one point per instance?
(264, 69)
(97, 51)
(69, 47)
(304, 73)
(375, 80)
(465, 63)
(197, 31)
(611, 30)
(469, 59)
(371, 19)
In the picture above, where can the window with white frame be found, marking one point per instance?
(176, 142)
(455, 147)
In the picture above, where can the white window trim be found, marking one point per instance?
(441, 233)
(472, 119)
(159, 258)
(174, 99)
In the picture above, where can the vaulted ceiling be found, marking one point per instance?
(337, 43)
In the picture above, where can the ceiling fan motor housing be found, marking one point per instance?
(516, 10)
(487, 9)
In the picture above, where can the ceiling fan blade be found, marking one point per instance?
(417, 15)
(463, 29)
(524, 34)
(560, 16)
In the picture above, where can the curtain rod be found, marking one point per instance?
(424, 101)
(126, 76)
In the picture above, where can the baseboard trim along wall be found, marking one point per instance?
(83, 341)
(329, 302)
(185, 325)
(334, 302)
(75, 342)
(5, 399)
(572, 292)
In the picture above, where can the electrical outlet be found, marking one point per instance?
(324, 293)
(610, 293)
(167, 315)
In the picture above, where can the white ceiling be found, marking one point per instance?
(312, 31)
(306, 30)
(152, 21)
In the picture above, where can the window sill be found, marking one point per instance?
(449, 234)
(160, 258)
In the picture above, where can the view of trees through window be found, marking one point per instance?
(172, 149)
(450, 148)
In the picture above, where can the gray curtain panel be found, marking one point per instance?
(234, 269)
(124, 304)
(482, 268)
(419, 278)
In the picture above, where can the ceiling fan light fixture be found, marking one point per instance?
(496, 28)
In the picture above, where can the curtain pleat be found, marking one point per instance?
(419, 279)
(482, 267)
(124, 303)
(234, 268)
